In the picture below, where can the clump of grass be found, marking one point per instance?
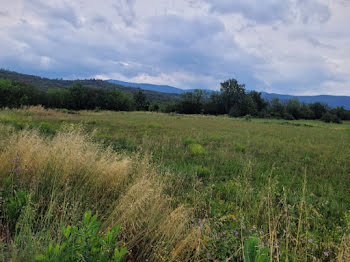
(188, 141)
(154, 125)
(196, 149)
(67, 174)
(240, 148)
(202, 172)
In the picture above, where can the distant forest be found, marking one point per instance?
(17, 90)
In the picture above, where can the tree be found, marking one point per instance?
(140, 100)
(192, 102)
(318, 109)
(293, 108)
(276, 108)
(214, 105)
(233, 95)
(260, 102)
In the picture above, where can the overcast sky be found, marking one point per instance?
(285, 46)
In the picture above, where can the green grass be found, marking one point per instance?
(241, 178)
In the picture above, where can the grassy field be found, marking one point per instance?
(210, 181)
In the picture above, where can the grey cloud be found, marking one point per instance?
(175, 30)
(312, 40)
(63, 12)
(313, 11)
(3, 13)
(269, 11)
(125, 9)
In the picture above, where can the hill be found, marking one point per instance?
(157, 88)
(47, 83)
(332, 101)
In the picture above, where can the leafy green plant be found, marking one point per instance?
(252, 252)
(12, 197)
(85, 243)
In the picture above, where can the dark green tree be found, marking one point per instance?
(233, 95)
(140, 100)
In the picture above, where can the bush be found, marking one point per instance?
(197, 149)
(328, 118)
(85, 243)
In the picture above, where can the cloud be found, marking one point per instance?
(125, 9)
(269, 11)
(58, 11)
(291, 46)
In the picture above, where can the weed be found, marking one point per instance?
(85, 243)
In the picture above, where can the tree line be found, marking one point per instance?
(232, 99)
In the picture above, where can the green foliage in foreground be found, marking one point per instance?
(253, 253)
(85, 243)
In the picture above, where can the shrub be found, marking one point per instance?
(85, 243)
(248, 118)
(328, 118)
(197, 149)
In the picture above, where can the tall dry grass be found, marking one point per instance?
(68, 175)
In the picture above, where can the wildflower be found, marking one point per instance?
(284, 231)
(310, 240)
(236, 233)
(200, 222)
(227, 259)
(250, 231)
(326, 254)
(16, 158)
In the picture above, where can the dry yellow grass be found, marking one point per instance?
(69, 173)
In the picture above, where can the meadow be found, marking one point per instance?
(182, 187)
